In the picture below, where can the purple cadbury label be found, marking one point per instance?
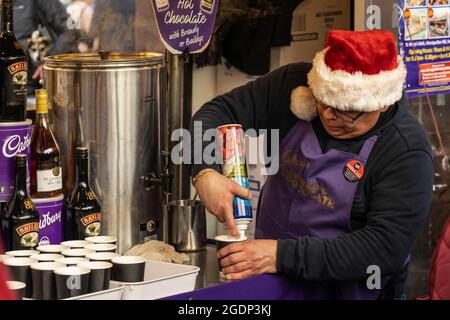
(50, 220)
(14, 139)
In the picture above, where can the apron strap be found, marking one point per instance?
(368, 146)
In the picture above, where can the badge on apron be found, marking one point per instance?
(354, 171)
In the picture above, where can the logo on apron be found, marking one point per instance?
(353, 171)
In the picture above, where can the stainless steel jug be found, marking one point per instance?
(187, 225)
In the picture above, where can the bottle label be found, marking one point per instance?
(50, 220)
(89, 224)
(162, 5)
(207, 5)
(13, 140)
(27, 234)
(16, 80)
(49, 180)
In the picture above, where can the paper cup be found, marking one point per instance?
(19, 288)
(225, 240)
(20, 271)
(53, 248)
(102, 247)
(71, 262)
(76, 253)
(100, 275)
(44, 281)
(71, 282)
(102, 239)
(128, 269)
(47, 257)
(102, 256)
(22, 253)
(75, 244)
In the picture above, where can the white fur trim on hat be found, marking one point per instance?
(355, 91)
(303, 104)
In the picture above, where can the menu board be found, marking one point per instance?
(185, 26)
(425, 45)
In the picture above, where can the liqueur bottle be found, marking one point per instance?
(83, 208)
(13, 70)
(45, 164)
(20, 219)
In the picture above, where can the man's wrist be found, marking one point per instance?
(287, 256)
(201, 173)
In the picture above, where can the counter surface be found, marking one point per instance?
(209, 286)
(209, 268)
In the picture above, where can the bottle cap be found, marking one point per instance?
(41, 101)
(82, 152)
(5, 2)
(21, 160)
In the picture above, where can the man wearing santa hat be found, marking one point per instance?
(360, 202)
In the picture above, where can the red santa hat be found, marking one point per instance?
(357, 71)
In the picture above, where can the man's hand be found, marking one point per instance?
(244, 259)
(217, 192)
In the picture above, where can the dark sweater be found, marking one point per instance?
(28, 15)
(391, 202)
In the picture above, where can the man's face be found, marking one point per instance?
(347, 125)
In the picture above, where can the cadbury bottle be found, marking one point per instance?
(13, 70)
(83, 208)
(20, 219)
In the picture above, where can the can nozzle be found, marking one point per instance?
(242, 226)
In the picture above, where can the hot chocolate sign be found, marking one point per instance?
(185, 25)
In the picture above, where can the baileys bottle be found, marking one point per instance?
(20, 219)
(13, 69)
(84, 216)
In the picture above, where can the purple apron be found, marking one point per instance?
(312, 195)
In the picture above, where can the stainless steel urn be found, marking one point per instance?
(112, 103)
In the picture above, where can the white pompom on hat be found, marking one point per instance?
(357, 71)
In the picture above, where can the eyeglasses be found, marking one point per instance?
(348, 117)
(345, 116)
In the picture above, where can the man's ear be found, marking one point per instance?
(385, 109)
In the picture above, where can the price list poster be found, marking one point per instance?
(425, 45)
